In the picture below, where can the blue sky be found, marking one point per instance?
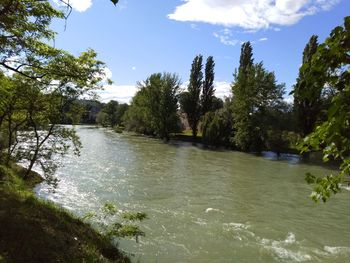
(138, 38)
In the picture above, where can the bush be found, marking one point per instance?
(281, 141)
(217, 128)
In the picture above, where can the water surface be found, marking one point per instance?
(204, 206)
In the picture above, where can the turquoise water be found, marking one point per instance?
(204, 206)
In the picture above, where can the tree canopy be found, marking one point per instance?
(255, 91)
(153, 109)
(190, 100)
(39, 81)
(331, 68)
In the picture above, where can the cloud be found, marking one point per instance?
(249, 14)
(289, 99)
(225, 37)
(263, 39)
(124, 93)
(107, 73)
(222, 89)
(120, 93)
(78, 5)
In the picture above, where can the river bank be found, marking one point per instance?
(33, 230)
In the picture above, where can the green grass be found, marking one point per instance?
(189, 133)
(33, 230)
(186, 136)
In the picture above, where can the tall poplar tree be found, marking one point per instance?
(208, 90)
(307, 94)
(242, 98)
(190, 100)
(255, 95)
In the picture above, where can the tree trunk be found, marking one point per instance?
(32, 162)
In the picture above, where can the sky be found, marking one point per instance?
(138, 38)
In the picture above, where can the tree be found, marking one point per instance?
(164, 103)
(138, 118)
(207, 96)
(102, 119)
(25, 35)
(33, 109)
(217, 126)
(111, 110)
(111, 114)
(190, 100)
(331, 65)
(154, 107)
(255, 93)
(243, 94)
(307, 95)
(50, 79)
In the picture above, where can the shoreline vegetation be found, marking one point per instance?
(35, 230)
(314, 157)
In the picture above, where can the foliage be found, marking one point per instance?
(23, 25)
(217, 127)
(117, 229)
(111, 114)
(207, 95)
(307, 95)
(154, 108)
(32, 110)
(217, 103)
(190, 100)
(255, 94)
(47, 80)
(138, 118)
(330, 65)
(25, 37)
(102, 119)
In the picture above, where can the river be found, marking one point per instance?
(203, 205)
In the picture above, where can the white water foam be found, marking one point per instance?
(345, 187)
(287, 250)
(284, 250)
(210, 209)
(337, 250)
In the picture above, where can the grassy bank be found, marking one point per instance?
(32, 230)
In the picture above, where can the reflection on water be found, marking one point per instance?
(203, 205)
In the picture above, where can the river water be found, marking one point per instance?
(204, 206)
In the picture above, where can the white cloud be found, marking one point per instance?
(263, 39)
(78, 5)
(120, 93)
(225, 37)
(108, 73)
(124, 93)
(289, 99)
(222, 89)
(249, 14)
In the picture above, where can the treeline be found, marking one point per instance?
(254, 118)
(83, 111)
